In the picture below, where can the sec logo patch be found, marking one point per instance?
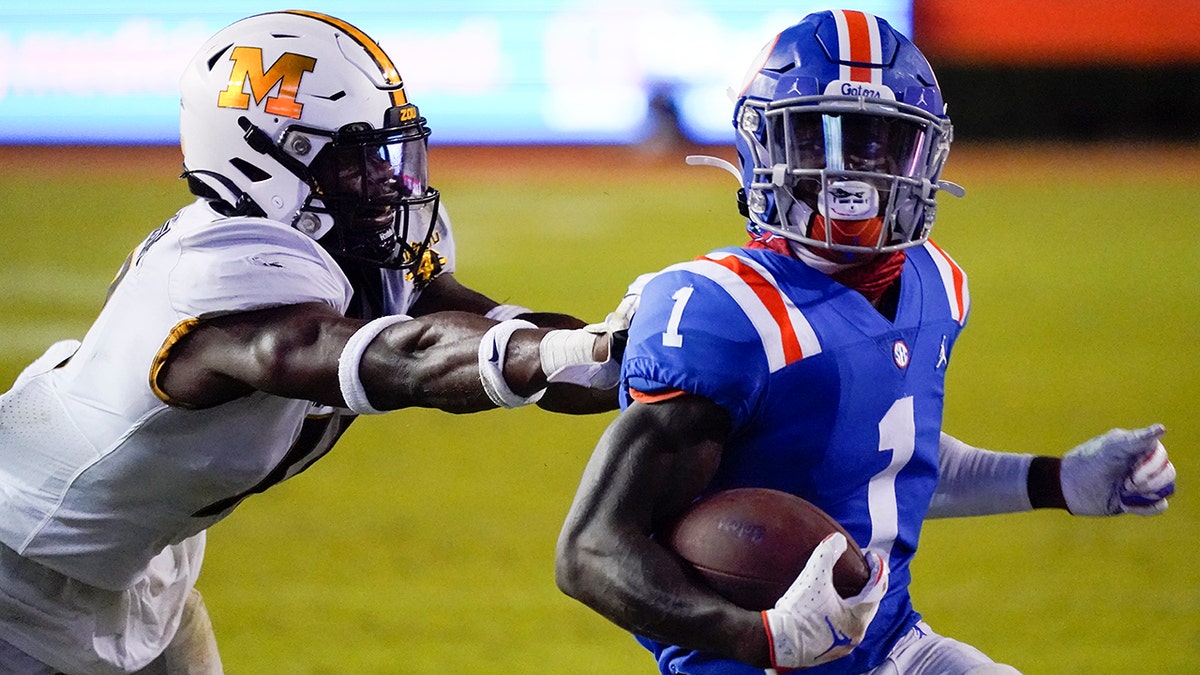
(900, 354)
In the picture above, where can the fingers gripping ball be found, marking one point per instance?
(811, 624)
(749, 545)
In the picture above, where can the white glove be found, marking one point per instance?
(567, 355)
(620, 319)
(1118, 472)
(811, 624)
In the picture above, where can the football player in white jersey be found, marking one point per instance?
(311, 281)
(812, 360)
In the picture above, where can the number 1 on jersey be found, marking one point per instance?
(673, 338)
(897, 434)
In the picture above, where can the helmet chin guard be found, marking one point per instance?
(841, 136)
(302, 118)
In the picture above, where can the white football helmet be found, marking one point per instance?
(302, 118)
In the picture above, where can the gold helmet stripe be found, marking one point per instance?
(390, 74)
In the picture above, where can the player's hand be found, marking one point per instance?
(1121, 471)
(613, 331)
(811, 624)
(616, 324)
(620, 318)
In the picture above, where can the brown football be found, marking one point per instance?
(750, 544)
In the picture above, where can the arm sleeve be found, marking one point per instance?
(977, 482)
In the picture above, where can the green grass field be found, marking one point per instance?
(424, 543)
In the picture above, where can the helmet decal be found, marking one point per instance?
(858, 47)
(286, 72)
(859, 53)
(390, 74)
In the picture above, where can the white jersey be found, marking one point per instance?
(105, 488)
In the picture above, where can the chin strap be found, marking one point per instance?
(715, 162)
(952, 188)
(718, 163)
(235, 203)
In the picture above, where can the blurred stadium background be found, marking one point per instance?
(425, 542)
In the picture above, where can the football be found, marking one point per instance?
(750, 544)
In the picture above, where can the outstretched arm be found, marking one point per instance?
(312, 352)
(1121, 471)
(566, 346)
(446, 294)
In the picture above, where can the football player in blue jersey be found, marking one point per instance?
(812, 360)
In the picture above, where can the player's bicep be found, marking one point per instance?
(289, 351)
(652, 461)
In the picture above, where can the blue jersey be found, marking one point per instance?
(828, 399)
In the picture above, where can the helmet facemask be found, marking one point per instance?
(850, 178)
(374, 185)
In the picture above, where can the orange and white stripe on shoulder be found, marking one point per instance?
(858, 42)
(954, 280)
(786, 335)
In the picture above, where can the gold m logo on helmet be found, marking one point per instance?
(285, 72)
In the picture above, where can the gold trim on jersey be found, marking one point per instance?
(160, 360)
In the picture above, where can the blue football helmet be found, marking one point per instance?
(841, 136)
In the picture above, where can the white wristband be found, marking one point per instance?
(506, 312)
(348, 363)
(493, 349)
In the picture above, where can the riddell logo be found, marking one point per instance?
(285, 72)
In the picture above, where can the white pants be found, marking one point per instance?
(193, 650)
(924, 652)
